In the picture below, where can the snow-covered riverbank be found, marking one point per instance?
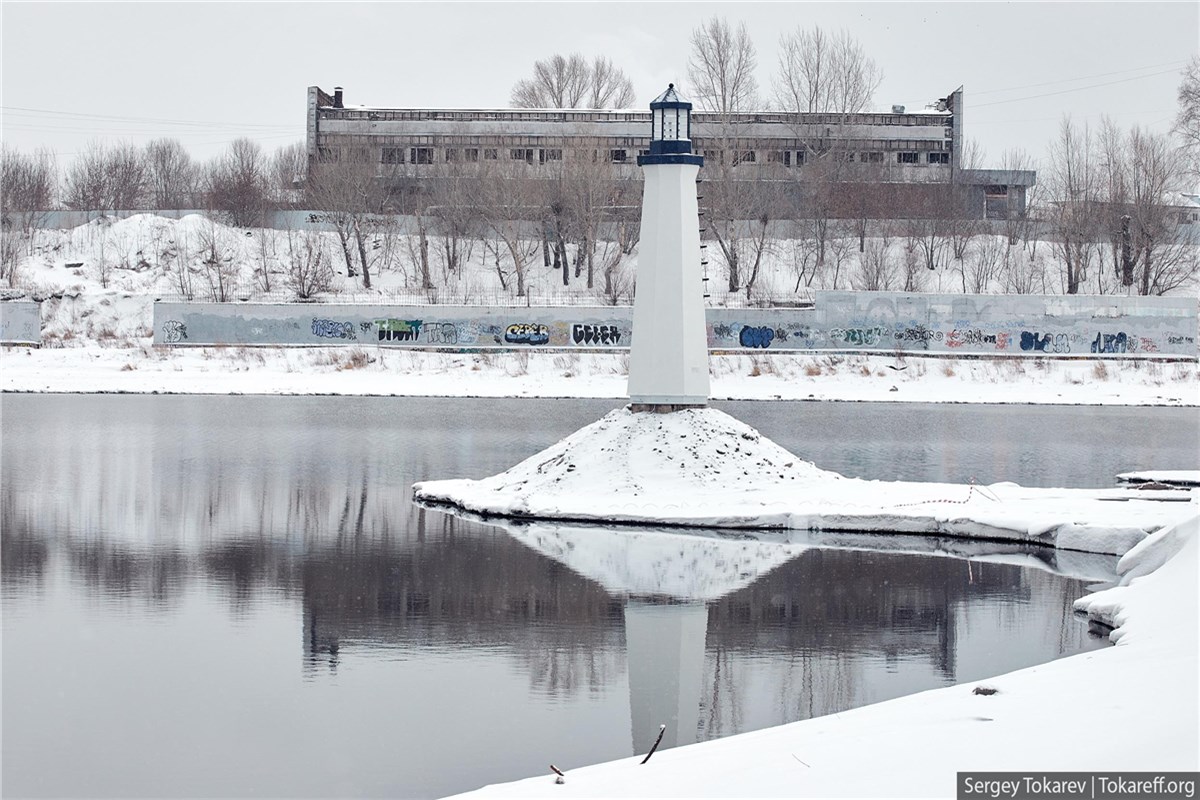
(382, 371)
(1132, 707)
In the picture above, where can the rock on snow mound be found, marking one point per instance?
(696, 465)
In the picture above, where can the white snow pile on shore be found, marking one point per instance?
(1170, 477)
(1126, 708)
(701, 467)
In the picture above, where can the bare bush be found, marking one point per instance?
(876, 273)
(27, 185)
(309, 268)
(12, 253)
(218, 264)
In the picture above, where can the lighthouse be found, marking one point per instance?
(668, 359)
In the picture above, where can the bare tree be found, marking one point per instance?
(721, 71)
(1187, 120)
(1161, 258)
(107, 178)
(27, 185)
(1019, 224)
(236, 183)
(821, 72)
(721, 67)
(170, 174)
(85, 185)
(508, 198)
(349, 192)
(571, 82)
(1073, 178)
(287, 170)
(610, 87)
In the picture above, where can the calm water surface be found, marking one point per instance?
(233, 596)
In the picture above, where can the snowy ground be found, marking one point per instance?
(379, 371)
(1132, 707)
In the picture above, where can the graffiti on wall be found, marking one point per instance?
(441, 333)
(1004, 325)
(398, 330)
(527, 333)
(760, 336)
(587, 334)
(174, 331)
(332, 329)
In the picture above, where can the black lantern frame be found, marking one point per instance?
(670, 131)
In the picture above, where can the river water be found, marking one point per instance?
(234, 596)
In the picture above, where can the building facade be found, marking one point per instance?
(885, 164)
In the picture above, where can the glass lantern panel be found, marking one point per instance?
(671, 125)
(656, 124)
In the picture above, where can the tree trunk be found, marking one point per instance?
(587, 244)
(560, 256)
(362, 255)
(344, 239)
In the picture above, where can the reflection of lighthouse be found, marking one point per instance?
(665, 647)
(668, 359)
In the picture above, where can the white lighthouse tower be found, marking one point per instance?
(668, 360)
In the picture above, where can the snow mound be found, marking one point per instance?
(1158, 566)
(639, 465)
(703, 468)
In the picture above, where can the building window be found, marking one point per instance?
(421, 155)
(490, 154)
(715, 155)
(643, 153)
(617, 156)
(872, 158)
(779, 157)
(939, 158)
(550, 155)
(452, 155)
(521, 154)
(799, 158)
(744, 157)
(908, 158)
(471, 154)
(392, 155)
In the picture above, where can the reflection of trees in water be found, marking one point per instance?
(23, 557)
(424, 579)
(815, 628)
(458, 583)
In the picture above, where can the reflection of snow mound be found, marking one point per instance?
(682, 566)
(681, 465)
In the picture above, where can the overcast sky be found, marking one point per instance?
(209, 72)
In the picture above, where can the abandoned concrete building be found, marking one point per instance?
(892, 165)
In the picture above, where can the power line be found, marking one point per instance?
(1011, 121)
(1076, 89)
(73, 115)
(1081, 78)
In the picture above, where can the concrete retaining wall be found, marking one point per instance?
(854, 321)
(20, 322)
